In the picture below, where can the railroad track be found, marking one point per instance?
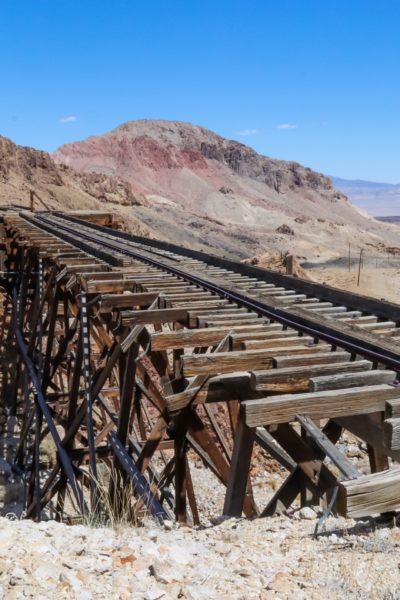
(139, 351)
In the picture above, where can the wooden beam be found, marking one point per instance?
(224, 362)
(312, 359)
(348, 380)
(318, 405)
(328, 448)
(149, 317)
(196, 338)
(370, 494)
(239, 469)
(297, 379)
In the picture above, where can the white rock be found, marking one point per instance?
(155, 594)
(307, 513)
(166, 571)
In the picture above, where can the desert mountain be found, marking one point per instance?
(378, 199)
(197, 188)
(186, 184)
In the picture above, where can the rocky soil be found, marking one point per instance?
(274, 558)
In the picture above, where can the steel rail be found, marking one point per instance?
(373, 351)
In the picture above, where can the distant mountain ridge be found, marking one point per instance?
(378, 199)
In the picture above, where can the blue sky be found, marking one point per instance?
(312, 81)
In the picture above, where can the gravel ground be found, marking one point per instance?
(260, 559)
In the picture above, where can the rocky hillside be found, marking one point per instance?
(200, 189)
(183, 183)
(23, 169)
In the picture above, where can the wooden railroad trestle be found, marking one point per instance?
(109, 359)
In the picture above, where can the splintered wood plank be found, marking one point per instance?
(348, 380)
(225, 362)
(297, 379)
(312, 359)
(370, 494)
(318, 405)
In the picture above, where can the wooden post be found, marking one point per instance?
(239, 470)
(359, 267)
(289, 264)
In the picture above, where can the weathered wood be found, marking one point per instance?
(328, 448)
(297, 379)
(195, 338)
(392, 408)
(318, 405)
(369, 428)
(348, 380)
(239, 469)
(214, 391)
(391, 433)
(112, 301)
(148, 317)
(312, 359)
(277, 342)
(296, 347)
(370, 494)
(270, 445)
(225, 362)
(310, 472)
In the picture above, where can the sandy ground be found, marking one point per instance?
(376, 282)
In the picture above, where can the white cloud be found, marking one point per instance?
(286, 126)
(69, 119)
(245, 132)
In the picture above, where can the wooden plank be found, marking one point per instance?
(318, 405)
(348, 380)
(297, 346)
(312, 359)
(391, 433)
(239, 470)
(112, 301)
(297, 379)
(370, 494)
(148, 317)
(108, 286)
(195, 338)
(392, 408)
(276, 342)
(225, 362)
(216, 390)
